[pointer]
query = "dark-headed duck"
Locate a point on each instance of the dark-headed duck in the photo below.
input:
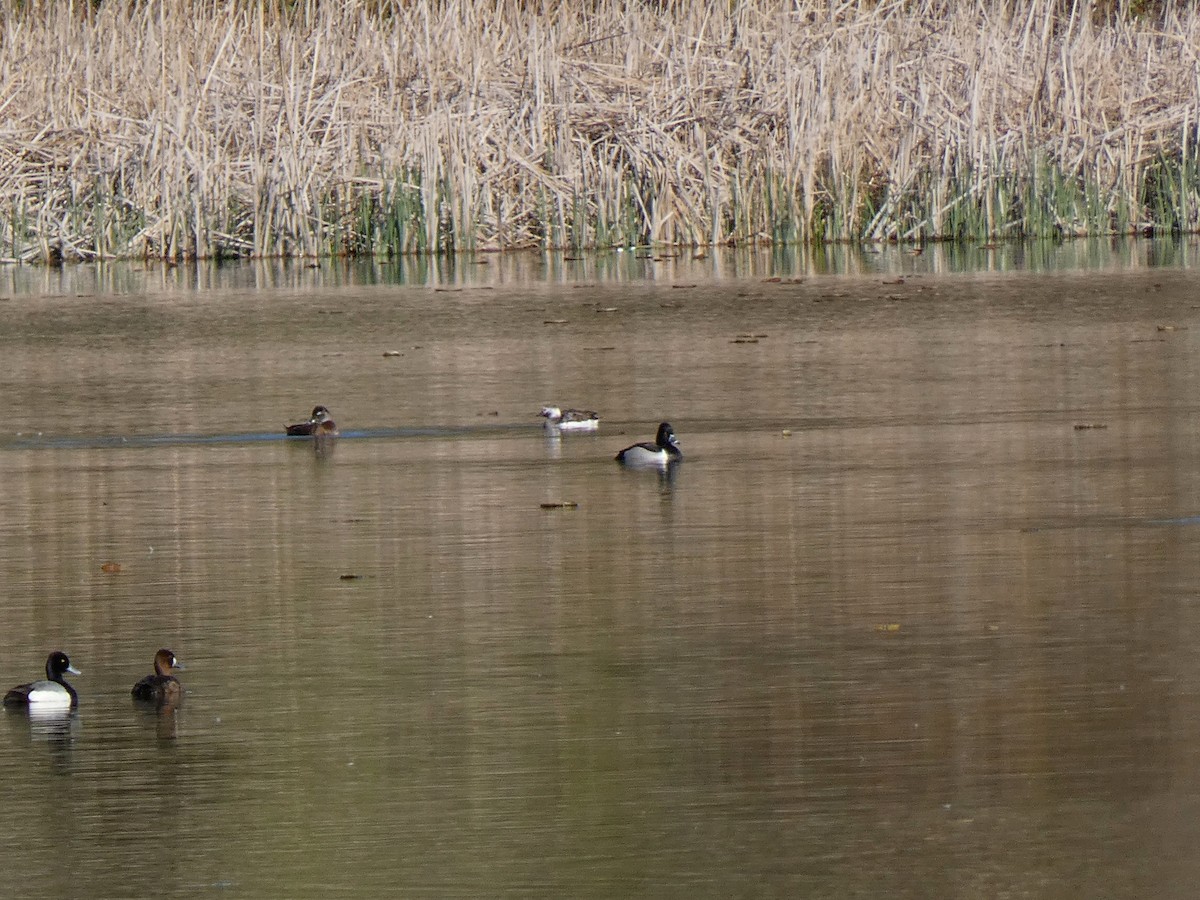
(663, 451)
(53, 693)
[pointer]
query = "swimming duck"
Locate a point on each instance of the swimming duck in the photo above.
(162, 687)
(662, 452)
(320, 415)
(570, 419)
(53, 693)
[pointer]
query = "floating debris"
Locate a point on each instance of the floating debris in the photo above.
(562, 504)
(1087, 426)
(110, 568)
(888, 627)
(349, 576)
(787, 432)
(554, 321)
(392, 353)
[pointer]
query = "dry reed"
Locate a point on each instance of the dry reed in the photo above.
(187, 128)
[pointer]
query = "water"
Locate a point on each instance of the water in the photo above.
(916, 616)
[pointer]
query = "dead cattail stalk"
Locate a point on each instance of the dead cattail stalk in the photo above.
(208, 127)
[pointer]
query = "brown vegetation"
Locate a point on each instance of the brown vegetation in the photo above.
(181, 128)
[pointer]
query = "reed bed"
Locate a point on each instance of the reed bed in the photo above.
(196, 128)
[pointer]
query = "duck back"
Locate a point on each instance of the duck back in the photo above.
(42, 694)
(158, 689)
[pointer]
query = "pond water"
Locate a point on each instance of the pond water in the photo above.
(916, 616)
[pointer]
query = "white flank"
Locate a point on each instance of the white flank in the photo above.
(49, 696)
(581, 425)
(640, 456)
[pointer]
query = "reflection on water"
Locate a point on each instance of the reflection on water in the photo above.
(161, 718)
(916, 617)
(55, 727)
(54, 731)
(449, 275)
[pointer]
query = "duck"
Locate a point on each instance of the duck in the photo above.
(162, 687)
(664, 451)
(53, 693)
(570, 419)
(320, 416)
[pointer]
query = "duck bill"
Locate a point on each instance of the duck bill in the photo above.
(73, 670)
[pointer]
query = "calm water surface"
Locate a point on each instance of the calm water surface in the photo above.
(917, 616)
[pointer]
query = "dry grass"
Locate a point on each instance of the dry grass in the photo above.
(180, 129)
